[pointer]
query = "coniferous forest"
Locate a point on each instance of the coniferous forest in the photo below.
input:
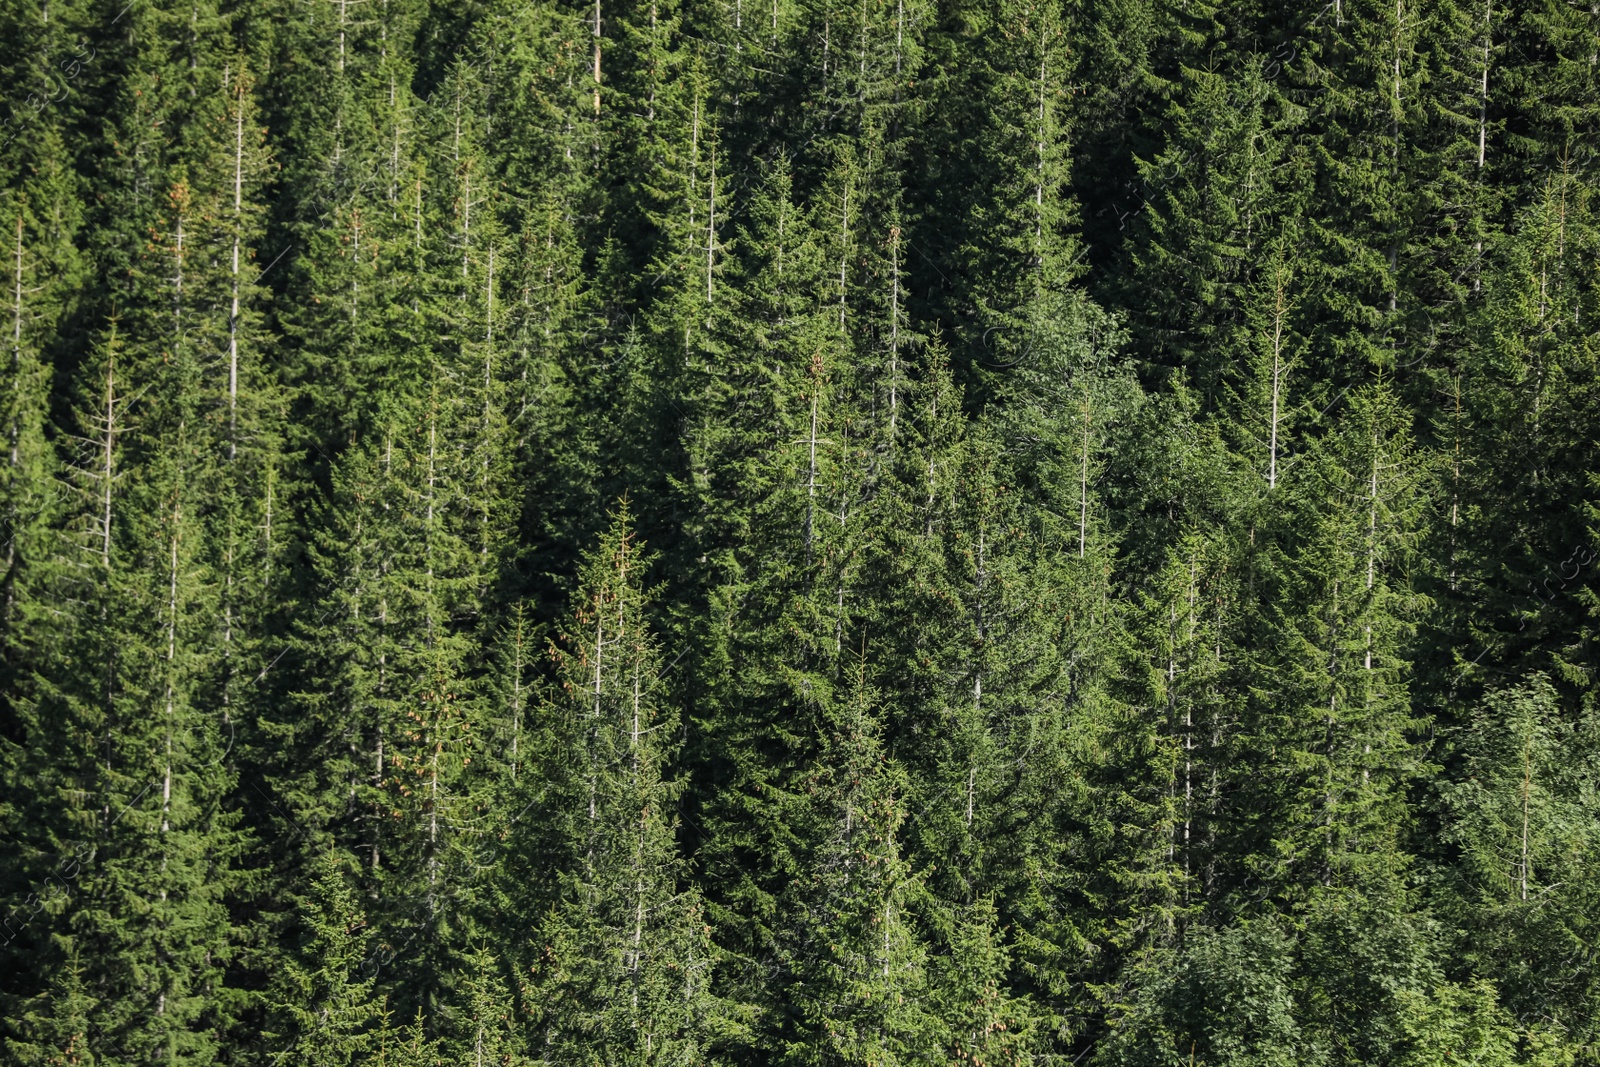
(851, 532)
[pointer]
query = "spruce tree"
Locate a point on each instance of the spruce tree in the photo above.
(325, 1006)
(854, 954)
(1520, 812)
(623, 958)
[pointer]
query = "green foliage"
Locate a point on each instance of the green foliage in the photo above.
(329, 1015)
(1122, 492)
(1522, 815)
(622, 961)
(1226, 998)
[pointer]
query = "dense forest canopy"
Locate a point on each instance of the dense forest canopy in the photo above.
(800, 532)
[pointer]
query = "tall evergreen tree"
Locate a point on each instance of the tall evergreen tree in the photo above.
(326, 1005)
(854, 951)
(623, 958)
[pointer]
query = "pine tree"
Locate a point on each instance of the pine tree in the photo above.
(472, 320)
(45, 214)
(58, 1033)
(1333, 711)
(386, 736)
(853, 955)
(1188, 685)
(623, 957)
(1366, 74)
(986, 1021)
(1521, 814)
(323, 996)
(1522, 389)
(490, 1035)
(994, 173)
(1227, 182)
(774, 524)
(134, 738)
(45, 217)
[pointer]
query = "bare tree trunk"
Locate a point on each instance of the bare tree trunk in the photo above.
(711, 230)
(343, 4)
(1188, 728)
(597, 57)
(982, 621)
(516, 695)
(238, 236)
(1483, 129)
(1394, 153)
(1038, 177)
(171, 657)
(14, 429)
(594, 730)
(428, 511)
(844, 254)
(108, 457)
(894, 324)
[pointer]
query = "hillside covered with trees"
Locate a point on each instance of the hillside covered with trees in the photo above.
(849, 532)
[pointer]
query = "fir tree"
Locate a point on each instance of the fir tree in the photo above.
(623, 957)
(854, 953)
(325, 1002)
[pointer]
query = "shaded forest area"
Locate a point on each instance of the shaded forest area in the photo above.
(842, 532)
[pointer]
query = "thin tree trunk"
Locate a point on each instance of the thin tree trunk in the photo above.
(108, 457)
(711, 230)
(844, 253)
(597, 57)
(894, 328)
(1278, 310)
(171, 680)
(238, 235)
